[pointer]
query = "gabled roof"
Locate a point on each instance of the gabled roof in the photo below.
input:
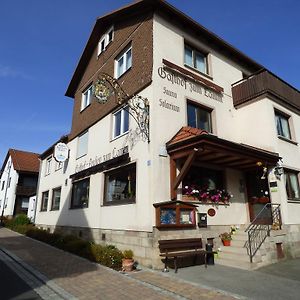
(23, 161)
(186, 133)
(141, 7)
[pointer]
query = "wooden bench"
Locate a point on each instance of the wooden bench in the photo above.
(172, 249)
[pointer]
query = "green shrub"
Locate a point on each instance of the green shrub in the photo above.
(108, 256)
(128, 254)
(79, 247)
(21, 219)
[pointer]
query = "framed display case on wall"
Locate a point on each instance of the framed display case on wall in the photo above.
(175, 214)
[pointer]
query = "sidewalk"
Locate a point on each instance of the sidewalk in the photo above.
(86, 280)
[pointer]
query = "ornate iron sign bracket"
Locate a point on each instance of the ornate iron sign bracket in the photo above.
(137, 106)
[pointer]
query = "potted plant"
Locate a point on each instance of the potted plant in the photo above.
(226, 238)
(127, 261)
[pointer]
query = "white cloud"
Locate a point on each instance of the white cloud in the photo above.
(7, 71)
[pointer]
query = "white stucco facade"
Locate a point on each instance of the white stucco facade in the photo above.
(252, 124)
(9, 179)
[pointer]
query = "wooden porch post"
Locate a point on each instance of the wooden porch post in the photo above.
(176, 180)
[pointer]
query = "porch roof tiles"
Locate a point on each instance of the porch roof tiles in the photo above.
(211, 149)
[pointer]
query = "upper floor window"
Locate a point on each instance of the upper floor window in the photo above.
(105, 40)
(282, 125)
(82, 145)
(120, 122)
(48, 166)
(44, 204)
(56, 198)
(123, 62)
(86, 97)
(199, 117)
(292, 184)
(80, 193)
(2, 187)
(195, 59)
(58, 165)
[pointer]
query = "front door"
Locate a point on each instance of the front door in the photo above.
(258, 196)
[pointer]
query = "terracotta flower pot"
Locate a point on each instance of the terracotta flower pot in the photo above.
(226, 242)
(127, 264)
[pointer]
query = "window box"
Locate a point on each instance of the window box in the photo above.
(175, 214)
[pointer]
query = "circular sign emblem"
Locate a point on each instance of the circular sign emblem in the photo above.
(101, 92)
(61, 152)
(211, 212)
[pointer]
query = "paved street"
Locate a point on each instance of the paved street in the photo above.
(13, 287)
(64, 276)
(275, 282)
(73, 277)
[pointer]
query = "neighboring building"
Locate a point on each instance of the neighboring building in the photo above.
(19, 176)
(218, 121)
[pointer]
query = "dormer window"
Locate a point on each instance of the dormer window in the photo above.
(105, 40)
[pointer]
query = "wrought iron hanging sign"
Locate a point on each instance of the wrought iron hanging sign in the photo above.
(137, 106)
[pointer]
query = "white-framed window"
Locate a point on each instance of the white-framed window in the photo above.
(86, 97)
(44, 203)
(292, 184)
(123, 62)
(120, 122)
(82, 145)
(199, 117)
(195, 59)
(56, 194)
(105, 40)
(58, 165)
(282, 125)
(48, 166)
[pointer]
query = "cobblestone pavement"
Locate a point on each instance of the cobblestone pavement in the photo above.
(82, 279)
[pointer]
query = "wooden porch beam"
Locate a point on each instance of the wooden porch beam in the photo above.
(186, 167)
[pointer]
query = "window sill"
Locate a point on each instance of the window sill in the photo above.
(287, 140)
(81, 156)
(123, 73)
(54, 209)
(294, 201)
(118, 202)
(78, 207)
(199, 72)
(81, 110)
(119, 136)
(43, 210)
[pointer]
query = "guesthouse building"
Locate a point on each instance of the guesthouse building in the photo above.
(175, 133)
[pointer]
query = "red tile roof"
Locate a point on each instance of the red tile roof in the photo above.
(25, 161)
(185, 133)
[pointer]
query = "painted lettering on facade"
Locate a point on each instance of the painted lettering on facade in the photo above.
(168, 105)
(188, 84)
(100, 159)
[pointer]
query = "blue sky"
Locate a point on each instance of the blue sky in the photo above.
(41, 42)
